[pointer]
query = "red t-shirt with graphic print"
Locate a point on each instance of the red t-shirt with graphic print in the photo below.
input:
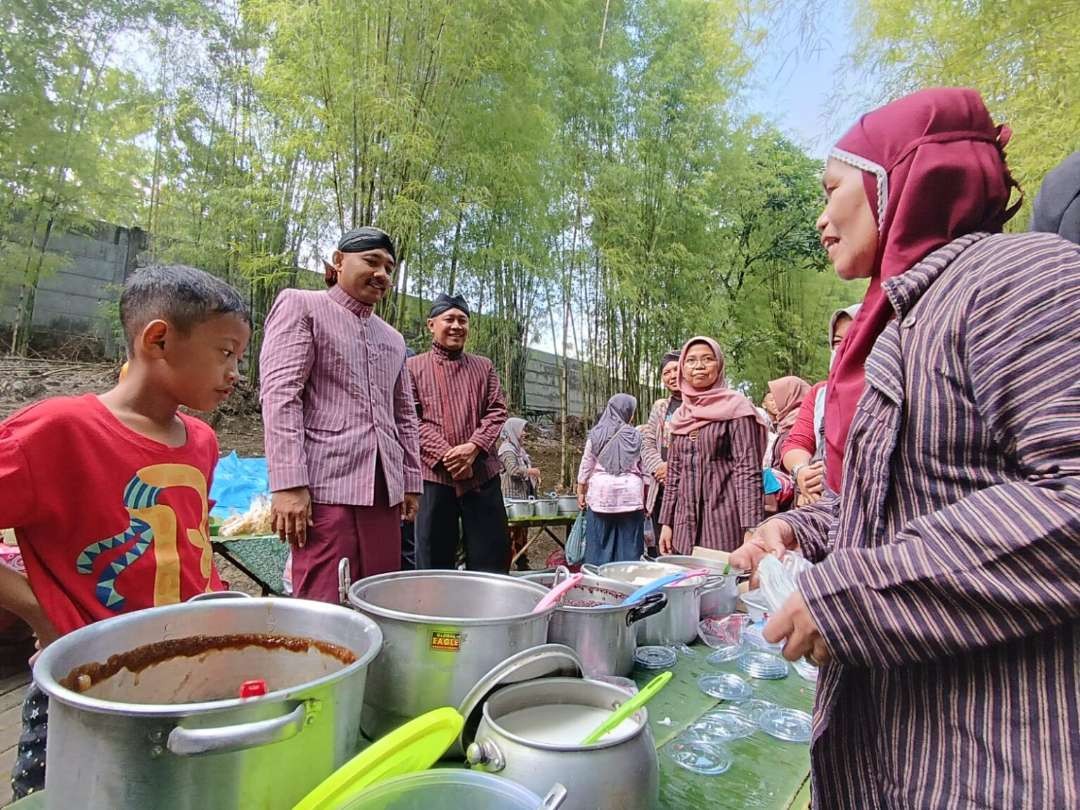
(108, 520)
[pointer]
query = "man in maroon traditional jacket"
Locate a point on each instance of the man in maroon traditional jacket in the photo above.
(461, 408)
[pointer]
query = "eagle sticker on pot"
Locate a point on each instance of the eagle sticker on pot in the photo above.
(446, 640)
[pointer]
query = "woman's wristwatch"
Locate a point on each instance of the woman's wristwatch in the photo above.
(795, 473)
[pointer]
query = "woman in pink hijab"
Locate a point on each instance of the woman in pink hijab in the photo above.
(713, 491)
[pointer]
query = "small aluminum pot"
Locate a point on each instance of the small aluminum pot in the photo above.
(676, 624)
(546, 507)
(721, 593)
(519, 508)
(568, 505)
(604, 636)
(622, 773)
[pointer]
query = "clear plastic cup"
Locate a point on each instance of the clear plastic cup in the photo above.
(791, 725)
(708, 759)
(723, 725)
(654, 657)
(725, 686)
(763, 665)
(725, 635)
(754, 708)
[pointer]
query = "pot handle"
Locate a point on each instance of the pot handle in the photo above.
(589, 568)
(554, 798)
(649, 606)
(190, 742)
(485, 756)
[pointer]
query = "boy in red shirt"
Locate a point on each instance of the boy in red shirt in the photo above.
(108, 493)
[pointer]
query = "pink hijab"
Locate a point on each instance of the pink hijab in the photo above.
(716, 404)
(788, 393)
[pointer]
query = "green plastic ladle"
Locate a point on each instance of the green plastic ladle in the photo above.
(647, 693)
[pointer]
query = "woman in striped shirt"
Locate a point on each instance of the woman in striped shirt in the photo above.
(713, 492)
(945, 603)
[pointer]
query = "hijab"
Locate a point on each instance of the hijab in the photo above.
(934, 170)
(716, 404)
(512, 434)
(615, 441)
(788, 394)
(1057, 205)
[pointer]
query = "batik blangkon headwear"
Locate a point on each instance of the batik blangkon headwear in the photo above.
(359, 240)
(447, 302)
(369, 237)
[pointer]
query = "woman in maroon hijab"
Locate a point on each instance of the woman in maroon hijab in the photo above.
(944, 606)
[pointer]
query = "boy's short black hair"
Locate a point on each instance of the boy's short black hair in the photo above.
(180, 295)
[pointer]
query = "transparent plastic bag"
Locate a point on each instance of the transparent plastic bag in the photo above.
(575, 541)
(778, 578)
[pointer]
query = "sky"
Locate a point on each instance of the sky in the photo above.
(794, 84)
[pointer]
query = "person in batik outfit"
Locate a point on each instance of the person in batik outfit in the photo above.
(462, 411)
(342, 443)
(713, 493)
(945, 604)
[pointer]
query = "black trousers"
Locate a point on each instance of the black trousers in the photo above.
(477, 517)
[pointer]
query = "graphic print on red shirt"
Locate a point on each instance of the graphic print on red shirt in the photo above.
(108, 520)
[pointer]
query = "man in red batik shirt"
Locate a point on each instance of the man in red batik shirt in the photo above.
(462, 411)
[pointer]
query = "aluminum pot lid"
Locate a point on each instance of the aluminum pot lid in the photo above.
(542, 661)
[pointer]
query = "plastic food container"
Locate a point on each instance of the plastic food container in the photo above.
(453, 788)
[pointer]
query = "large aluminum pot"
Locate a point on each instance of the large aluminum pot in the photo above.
(442, 631)
(604, 635)
(617, 773)
(676, 624)
(174, 734)
(721, 593)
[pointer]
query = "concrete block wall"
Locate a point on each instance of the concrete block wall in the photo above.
(71, 301)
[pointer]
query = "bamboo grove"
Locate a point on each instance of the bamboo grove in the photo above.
(582, 170)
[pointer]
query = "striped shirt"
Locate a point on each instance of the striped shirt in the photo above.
(713, 492)
(458, 399)
(950, 596)
(335, 394)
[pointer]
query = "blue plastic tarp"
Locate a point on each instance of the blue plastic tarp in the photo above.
(237, 481)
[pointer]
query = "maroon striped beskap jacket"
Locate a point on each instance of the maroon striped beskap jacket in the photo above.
(949, 594)
(459, 400)
(335, 394)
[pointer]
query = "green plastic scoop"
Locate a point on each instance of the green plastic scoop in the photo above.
(647, 693)
(415, 746)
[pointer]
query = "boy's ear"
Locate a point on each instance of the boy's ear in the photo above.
(152, 340)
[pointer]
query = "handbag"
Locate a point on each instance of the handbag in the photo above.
(575, 541)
